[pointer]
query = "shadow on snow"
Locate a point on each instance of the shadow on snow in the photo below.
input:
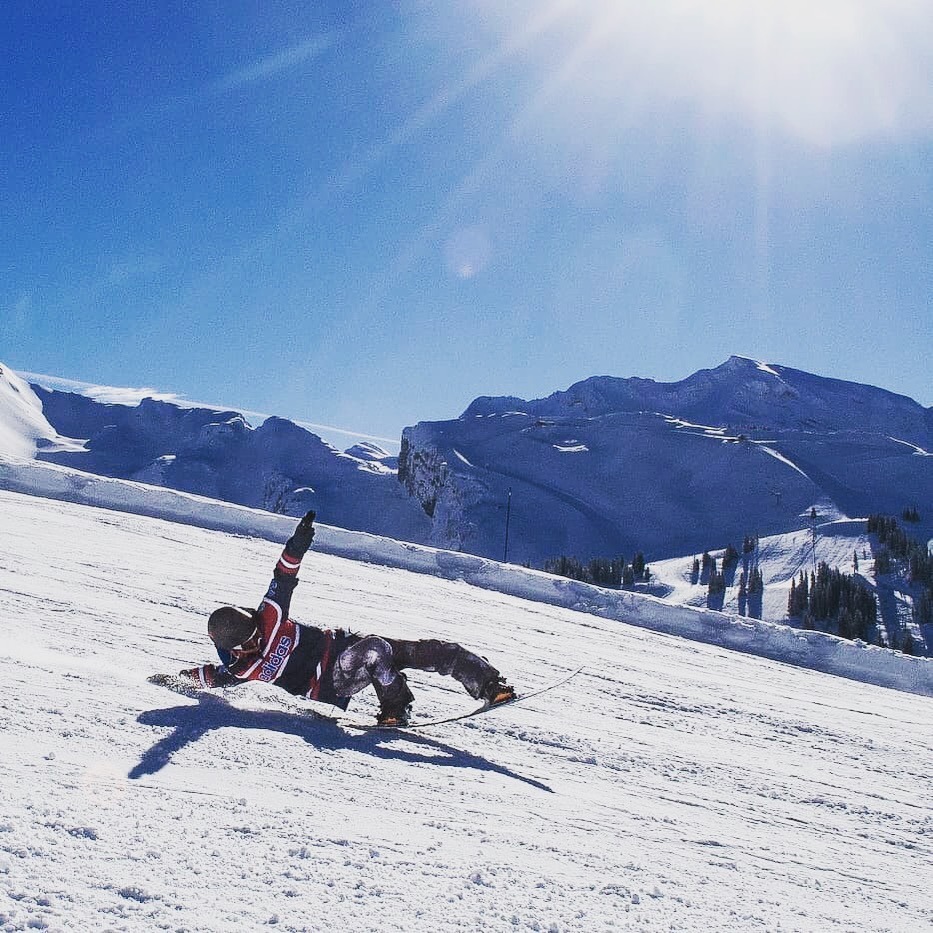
(190, 723)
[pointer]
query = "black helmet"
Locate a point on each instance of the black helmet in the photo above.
(230, 626)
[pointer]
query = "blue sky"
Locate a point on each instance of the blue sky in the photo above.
(366, 214)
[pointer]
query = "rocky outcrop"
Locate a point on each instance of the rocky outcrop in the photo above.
(422, 469)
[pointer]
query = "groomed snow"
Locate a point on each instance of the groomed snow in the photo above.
(672, 785)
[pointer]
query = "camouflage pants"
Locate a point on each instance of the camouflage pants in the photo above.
(379, 661)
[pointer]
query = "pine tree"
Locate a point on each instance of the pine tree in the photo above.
(841, 601)
(638, 564)
(923, 608)
(717, 582)
(883, 561)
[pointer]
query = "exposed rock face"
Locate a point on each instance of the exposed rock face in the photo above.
(421, 469)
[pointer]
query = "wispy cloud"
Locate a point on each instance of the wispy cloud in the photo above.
(21, 310)
(275, 63)
(111, 395)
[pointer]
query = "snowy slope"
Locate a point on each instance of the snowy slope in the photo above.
(781, 558)
(674, 785)
(22, 425)
(778, 642)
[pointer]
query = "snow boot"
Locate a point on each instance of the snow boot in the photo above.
(394, 702)
(498, 691)
(397, 717)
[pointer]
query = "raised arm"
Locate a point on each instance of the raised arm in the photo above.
(285, 577)
(272, 613)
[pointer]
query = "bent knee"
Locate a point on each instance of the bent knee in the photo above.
(373, 646)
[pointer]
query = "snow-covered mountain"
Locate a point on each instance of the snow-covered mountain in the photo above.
(607, 467)
(278, 465)
(671, 785)
(611, 465)
(743, 394)
(23, 426)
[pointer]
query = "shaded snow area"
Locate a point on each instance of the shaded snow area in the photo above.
(672, 785)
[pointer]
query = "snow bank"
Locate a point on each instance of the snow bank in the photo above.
(854, 660)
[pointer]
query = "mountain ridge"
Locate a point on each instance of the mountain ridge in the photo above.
(708, 389)
(603, 468)
(662, 462)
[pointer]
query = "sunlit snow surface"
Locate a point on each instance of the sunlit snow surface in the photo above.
(672, 785)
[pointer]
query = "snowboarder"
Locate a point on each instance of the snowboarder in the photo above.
(331, 666)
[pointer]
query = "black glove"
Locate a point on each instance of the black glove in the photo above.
(301, 540)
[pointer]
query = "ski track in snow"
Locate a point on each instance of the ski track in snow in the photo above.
(919, 451)
(779, 456)
(670, 786)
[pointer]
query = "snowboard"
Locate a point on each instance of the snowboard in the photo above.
(469, 714)
(339, 717)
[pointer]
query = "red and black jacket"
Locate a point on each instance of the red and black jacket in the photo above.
(297, 658)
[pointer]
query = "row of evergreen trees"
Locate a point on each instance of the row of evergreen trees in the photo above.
(717, 575)
(899, 552)
(750, 583)
(830, 600)
(730, 558)
(613, 572)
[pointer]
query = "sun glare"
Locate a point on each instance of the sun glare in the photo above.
(828, 72)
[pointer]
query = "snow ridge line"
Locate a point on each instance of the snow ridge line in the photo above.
(815, 650)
